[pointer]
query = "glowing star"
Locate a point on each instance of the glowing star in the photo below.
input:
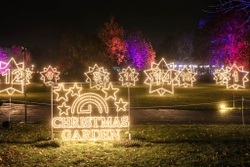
(97, 77)
(128, 77)
(63, 109)
(50, 75)
(88, 116)
(61, 93)
(186, 77)
(221, 76)
(75, 90)
(120, 105)
(110, 92)
(161, 77)
(13, 77)
(237, 77)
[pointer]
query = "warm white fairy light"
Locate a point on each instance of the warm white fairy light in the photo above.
(50, 75)
(221, 76)
(128, 76)
(97, 77)
(161, 77)
(85, 116)
(186, 77)
(237, 77)
(12, 77)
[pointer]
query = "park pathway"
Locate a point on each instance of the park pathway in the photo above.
(42, 113)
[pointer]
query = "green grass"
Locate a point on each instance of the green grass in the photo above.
(151, 145)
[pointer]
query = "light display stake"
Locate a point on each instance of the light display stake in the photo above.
(82, 116)
(186, 77)
(161, 77)
(13, 77)
(97, 77)
(50, 75)
(128, 76)
(237, 77)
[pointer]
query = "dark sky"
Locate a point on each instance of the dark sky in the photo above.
(41, 22)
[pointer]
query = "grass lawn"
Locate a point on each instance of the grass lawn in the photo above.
(151, 145)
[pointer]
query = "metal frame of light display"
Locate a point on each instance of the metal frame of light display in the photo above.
(161, 77)
(97, 77)
(50, 75)
(94, 115)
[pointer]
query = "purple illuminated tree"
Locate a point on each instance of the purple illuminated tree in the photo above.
(229, 40)
(3, 55)
(112, 36)
(140, 52)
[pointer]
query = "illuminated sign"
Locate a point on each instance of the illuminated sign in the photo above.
(128, 76)
(50, 75)
(82, 116)
(161, 77)
(12, 77)
(237, 77)
(97, 77)
(186, 77)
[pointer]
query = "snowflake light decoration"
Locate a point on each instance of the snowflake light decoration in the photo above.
(82, 116)
(161, 77)
(12, 77)
(128, 76)
(97, 77)
(50, 75)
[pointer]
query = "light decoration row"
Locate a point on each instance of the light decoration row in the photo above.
(232, 76)
(13, 77)
(162, 77)
(90, 115)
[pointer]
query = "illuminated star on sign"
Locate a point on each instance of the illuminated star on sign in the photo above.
(75, 90)
(128, 77)
(50, 75)
(97, 77)
(120, 105)
(237, 77)
(161, 77)
(186, 77)
(221, 76)
(12, 79)
(110, 92)
(63, 109)
(61, 93)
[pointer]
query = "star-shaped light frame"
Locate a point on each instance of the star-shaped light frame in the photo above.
(13, 74)
(97, 77)
(186, 77)
(161, 77)
(50, 75)
(128, 76)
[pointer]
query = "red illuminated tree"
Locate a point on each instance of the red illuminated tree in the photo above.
(229, 40)
(112, 35)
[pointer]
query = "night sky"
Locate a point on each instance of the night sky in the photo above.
(40, 23)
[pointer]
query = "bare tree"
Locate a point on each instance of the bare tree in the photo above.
(231, 5)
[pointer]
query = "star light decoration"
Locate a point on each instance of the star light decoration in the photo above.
(50, 75)
(161, 77)
(13, 77)
(128, 76)
(97, 77)
(233, 77)
(89, 115)
(186, 77)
